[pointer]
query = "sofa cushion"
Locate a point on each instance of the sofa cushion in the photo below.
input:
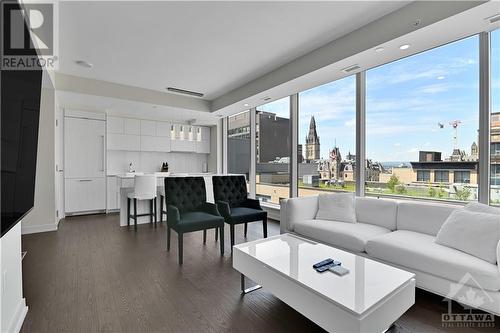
(422, 217)
(472, 232)
(380, 212)
(350, 236)
(418, 251)
(481, 208)
(336, 207)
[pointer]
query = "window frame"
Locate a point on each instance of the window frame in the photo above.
(484, 175)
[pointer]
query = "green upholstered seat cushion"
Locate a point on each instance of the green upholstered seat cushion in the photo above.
(194, 221)
(244, 214)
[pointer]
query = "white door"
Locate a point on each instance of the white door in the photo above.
(84, 148)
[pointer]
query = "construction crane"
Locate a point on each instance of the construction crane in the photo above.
(455, 124)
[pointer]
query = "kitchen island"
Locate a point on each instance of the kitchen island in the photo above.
(125, 183)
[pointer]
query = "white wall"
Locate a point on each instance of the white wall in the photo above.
(43, 216)
(118, 161)
(13, 306)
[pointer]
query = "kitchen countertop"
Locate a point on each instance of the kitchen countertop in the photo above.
(159, 174)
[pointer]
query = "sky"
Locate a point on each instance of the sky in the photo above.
(405, 101)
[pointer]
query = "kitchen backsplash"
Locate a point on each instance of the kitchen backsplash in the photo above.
(118, 161)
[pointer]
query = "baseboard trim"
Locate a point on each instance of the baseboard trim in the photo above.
(18, 319)
(33, 229)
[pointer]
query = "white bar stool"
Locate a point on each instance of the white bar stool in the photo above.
(144, 189)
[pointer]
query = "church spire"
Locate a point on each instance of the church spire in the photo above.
(312, 142)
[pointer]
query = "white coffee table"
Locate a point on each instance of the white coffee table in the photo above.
(370, 298)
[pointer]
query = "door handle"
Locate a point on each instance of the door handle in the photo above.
(84, 180)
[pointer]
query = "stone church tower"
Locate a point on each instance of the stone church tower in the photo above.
(312, 142)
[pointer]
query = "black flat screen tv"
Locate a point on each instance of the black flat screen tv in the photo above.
(20, 110)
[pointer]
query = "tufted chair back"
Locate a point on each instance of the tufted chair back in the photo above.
(185, 193)
(231, 189)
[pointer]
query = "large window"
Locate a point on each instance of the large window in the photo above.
(273, 151)
(495, 118)
(327, 138)
(441, 176)
(423, 176)
(238, 144)
(422, 113)
(422, 131)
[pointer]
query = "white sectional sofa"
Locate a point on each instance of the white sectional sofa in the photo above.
(402, 234)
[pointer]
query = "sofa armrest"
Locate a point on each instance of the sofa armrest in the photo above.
(173, 215)
(210, 208)
(297, 209)
(224, 208)
(252, 203)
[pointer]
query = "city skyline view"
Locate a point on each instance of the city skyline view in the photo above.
(406, 100)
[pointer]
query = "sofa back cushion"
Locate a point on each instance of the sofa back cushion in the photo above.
(423, 217)
(336, 207)
(375, 211)
(473, 233)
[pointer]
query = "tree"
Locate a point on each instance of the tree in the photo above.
(392, 183)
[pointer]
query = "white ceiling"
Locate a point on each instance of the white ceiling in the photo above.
(210, 47)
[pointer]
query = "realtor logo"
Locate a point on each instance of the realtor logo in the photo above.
(29, 35)
(470, 295)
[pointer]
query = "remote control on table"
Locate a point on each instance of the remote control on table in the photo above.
(339, 270)
(323, 263)
(324, 268)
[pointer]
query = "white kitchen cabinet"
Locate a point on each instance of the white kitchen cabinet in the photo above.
(203, 147)
(115, 125)
(124, 142)
(131, 126)
(84, 148)
(204, 133)
(163, 129)
(183, 146)
(112, 198)
(155, 143)
(85, 195)
(148, 127)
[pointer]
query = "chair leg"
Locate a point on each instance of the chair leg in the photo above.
(204, 236)
(246, 229)
(179, 241)
(161, 208)
(150, 211)
(216, 234)
(168, 238)
(128, 212)
(264, 226)
(221, 230)
(154, 211)
(135, 214)
(232, 236)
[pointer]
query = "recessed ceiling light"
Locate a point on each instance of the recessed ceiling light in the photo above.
(84, 63)
(404, 46)
(440, 77)
(379, 49)
(246, 104)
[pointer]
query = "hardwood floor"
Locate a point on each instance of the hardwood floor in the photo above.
(94, 276)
